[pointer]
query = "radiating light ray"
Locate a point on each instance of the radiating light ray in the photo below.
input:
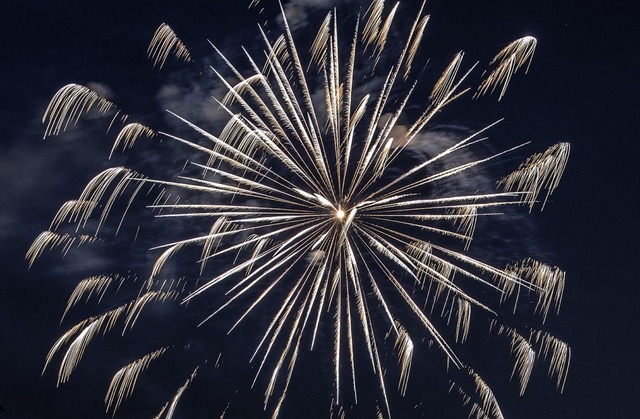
(314, 219)
(169, 408)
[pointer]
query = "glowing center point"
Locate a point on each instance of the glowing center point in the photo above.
(340, 214)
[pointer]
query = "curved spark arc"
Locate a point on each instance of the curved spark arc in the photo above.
(328, 217)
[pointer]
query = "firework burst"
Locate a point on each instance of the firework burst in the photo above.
(315, 218)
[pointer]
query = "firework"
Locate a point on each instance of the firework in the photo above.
(319, 221)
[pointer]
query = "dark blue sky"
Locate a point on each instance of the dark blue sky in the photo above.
(580, 89)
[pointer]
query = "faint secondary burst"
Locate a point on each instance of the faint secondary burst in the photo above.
(311, 228)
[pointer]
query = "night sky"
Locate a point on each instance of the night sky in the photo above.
(582, 88)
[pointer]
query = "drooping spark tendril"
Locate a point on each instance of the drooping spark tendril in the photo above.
(301, 198)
